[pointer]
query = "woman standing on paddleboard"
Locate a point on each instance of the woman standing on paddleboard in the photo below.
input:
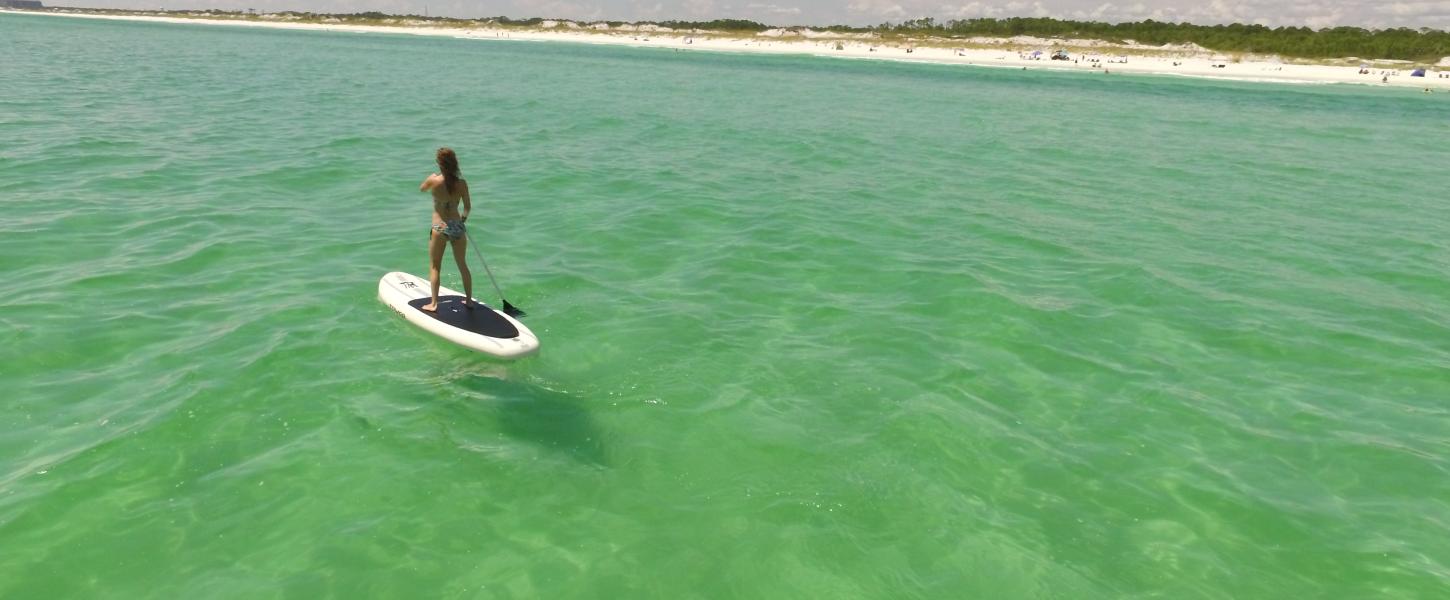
(448, 189)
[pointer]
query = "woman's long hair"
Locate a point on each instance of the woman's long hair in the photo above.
(448, 164)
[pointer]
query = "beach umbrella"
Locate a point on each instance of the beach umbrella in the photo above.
(1037, 53)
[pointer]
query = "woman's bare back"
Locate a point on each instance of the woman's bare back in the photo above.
(445, 203)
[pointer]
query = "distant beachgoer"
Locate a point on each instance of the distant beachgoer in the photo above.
(1385, 79)
(448, 190)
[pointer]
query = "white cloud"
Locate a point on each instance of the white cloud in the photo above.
(562, 9)
(647, 11)
(1420, 9)
(701, 9)
(970, 10)
(1329, 19)
(773, 9)
(885, 9)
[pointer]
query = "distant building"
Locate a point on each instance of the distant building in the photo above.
(21, 4)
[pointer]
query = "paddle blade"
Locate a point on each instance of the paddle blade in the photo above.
(513, 311)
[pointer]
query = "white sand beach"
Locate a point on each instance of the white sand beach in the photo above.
(1015, 53)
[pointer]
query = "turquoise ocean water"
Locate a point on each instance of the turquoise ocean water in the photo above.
(812, 328)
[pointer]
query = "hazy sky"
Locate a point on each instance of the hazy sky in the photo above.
(1314, 13)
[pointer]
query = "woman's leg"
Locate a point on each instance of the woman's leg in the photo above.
(435, 260)
(460, 245)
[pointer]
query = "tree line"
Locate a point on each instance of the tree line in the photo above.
(1299, 42)
(1334, 42)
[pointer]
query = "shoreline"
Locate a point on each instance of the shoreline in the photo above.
(1105, 60)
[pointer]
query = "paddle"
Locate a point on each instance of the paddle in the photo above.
(508, 309)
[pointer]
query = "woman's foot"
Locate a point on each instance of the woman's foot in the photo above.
(429, 307)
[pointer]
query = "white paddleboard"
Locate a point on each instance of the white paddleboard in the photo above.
(480, 328)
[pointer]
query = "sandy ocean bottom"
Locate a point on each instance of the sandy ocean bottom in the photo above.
(811, 327)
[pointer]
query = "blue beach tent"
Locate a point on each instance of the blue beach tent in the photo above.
(1417, 73)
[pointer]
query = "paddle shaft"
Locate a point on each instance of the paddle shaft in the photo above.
(485, 267)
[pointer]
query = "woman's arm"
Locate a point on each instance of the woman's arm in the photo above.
(428, 183)
(467, 201)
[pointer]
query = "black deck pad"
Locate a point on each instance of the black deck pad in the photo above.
(479, 319)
